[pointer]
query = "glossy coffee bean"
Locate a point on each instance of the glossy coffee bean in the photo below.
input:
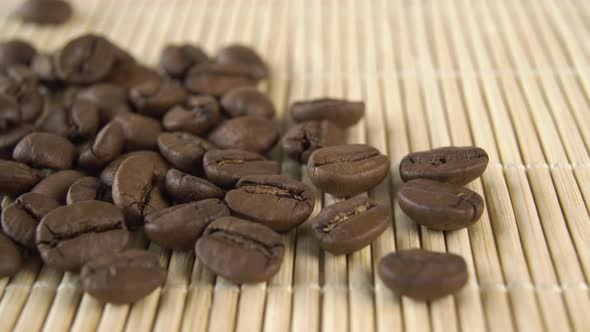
(45, 150)
(78, 121)
(302, 139)
(56, 185)
(16, 177)
(45, 11)
(70, 236)
(110, 100)
(11, 136)
(155, 99)
(184, 151)
(342, 112)
(16, 51)
(247, 101)
(226, 167)
(217, 79)
(276, 201)
(85, 59)
(10, 257)
(178, 227)
(107, 176)
(141, 132)
(422, 274)
(128, 74)
(199, 116)
(250, 133)
(176, 60)
(183, 188)
(89, 189)
(347, 170)
(456, 165)
(350, 225)
(245, 56)
(240, 250)
(104, 148)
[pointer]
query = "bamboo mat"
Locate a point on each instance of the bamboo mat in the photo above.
(512, 77)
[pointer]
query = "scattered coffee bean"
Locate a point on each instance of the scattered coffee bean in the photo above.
(156, 98)
(44, 150)
(77, 121)
(342, 112)
(45, 11)
(16, 178)
(199, 116)
(161, 167)
(176, 60)
(245, 56)
(11, 136)
(303, 139)
(141, 132)
(105, 147)
(128, 74)
(56, 185)
(238, 133)
(247, 100)
(184, 151)
(84, 60)
(89, 189)
(110, 99)
(10, 257)
(240, 250)
(184, 188)
(16, 51)
(217, 79)
(226, 167)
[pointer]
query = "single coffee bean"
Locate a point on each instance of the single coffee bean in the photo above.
(440, 206)
(127, 74)
(240, 250)
(21, 218)
(198, 117)
(141, 132)
(243, 56)
(347, 170)
(184, 188)
(85, 59)
(16, 51)
(342, 112)
(250, 133)
(422, 274)
(110, 100)
(276, 201)
(137, 189)
(348, 226)
(10, 257)
(56, 185)
(89, 189)
(43, 65)
(9, 112)
(45, 11)
(226, 167)
(302, 139)
(70, 236)
(247, 100)
(156, 98)
(105, 147)
(176, 60)
(178, 227)
(456, 165)
(107, 176)
(45, 150)
(20, 83)
(217, 79)
(16, 178)
(77, 121)
(11, 136)
(184, 151)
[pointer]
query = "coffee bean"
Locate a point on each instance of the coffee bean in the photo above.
(226, 167)
(85, 59)
(247, 100)
(110, 100)
(107, 176)
(10, 257)
(44, 150)
(456, 165)
(347, 170)
(183, 188)
(9, 112)
(155, 99)
(11, 136)
(70, 236)
(178, 227)
(128, 74)
(16, 51)
(240, 250)
(276, 201)
(105, 147)
(137, 189)
(199, 116)
(217, 79)
(45, 11)
(89, 189)
(303, 139)
(56, 185)
(243, 56)
(250, 133)
(77, 121)
(20, 83)
(422, 274)
(184, 151)
(176, 60)
(16, 178)
(141, 132)
(21, 218)
(350, 225)
(342, 112)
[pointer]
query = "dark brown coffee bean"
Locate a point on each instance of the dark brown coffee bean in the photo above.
(422, 274)
(303, 139)
(347, 170)
(276, 201)
(198, 117)
(250, 133)
(85, 59)
(45, 11)
(141, 132)
(16, 51)
(348, 226)
(21, 218)
(10, 257)
(217, 79)
(243, 56)
(10, 137)
(56, 185)
(247, 100)
(156, 98)
(78, 121)
(456, 165)
(178, 227)
(342, 112)
(127, 74)
(110, 99)
(176, 60)
(20, 83)
(105, 147)
(44, 150)
(89, 189)
(9, 112)
(70, 236)
(184, 151)
(226, 167)
(240, 250)
(107, 176)
(184, 188)
(16, 178)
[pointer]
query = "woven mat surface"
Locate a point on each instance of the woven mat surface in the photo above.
(512, 77)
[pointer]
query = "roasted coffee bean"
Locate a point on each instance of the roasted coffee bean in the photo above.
(16, 178)
(44, 150)
(184, 188)
(184, 151)
(9, 112)
(348, 226)
(303, 139)
(176, 60)
(456, 165)
(45, 11)
(10, 257)
(141, 132)
(11, 136)
(127, 74)
(243, 56)
(105, 147)
(56, 185)
(137, 189)
(21, 218)
(70, 236)
(226, 167)
(178, 227)
(110, 99)
(20, 83)
(156, 98)
(77, 121)
(217, 79)
(240, 250)
(342, 112)
(347, 170)
(107, 176)
(440, 206)
(276, 201)
(16, 51)
(422, 274)
(198, 117)
(250, 133)
(89, 189)
(247, 100)
(43, 65)
(85, 59)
